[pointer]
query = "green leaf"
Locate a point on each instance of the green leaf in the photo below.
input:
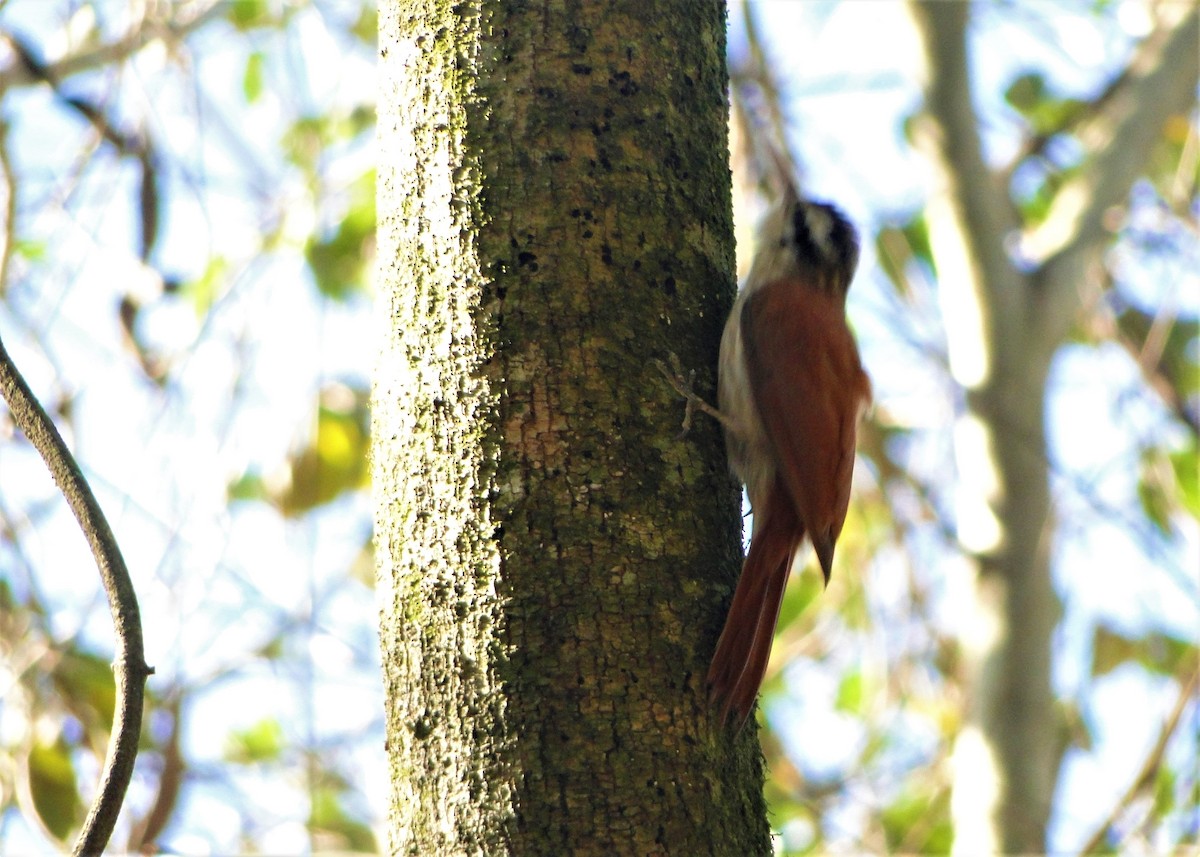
(339, 262)
(1158, 653)
(8, 601)
(1153, 490)
(366, 28)
(248, 14)
(898, 247)
(52, 787)
(330, 817)
(1045, 112)
(1164, 791)
(86, 683)
(1110, 650)
(336, 461)
(1177, 357)
(918, 823)
(252, 78)
(248, 486)
(1026, 92)
(851, 692)
(802, 590)
(203, 292)
(262, 742)
(1187, 478)
(304, 141)
(32, 251)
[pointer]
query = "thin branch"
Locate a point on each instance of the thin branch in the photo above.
(129, 666)
(112, 53)
(1149, 767)
(8, 207)
(144, 837)
(127, 144)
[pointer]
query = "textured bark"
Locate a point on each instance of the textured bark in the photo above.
(554, 214)
(1003, 328)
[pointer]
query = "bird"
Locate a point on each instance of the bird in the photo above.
(791, 390)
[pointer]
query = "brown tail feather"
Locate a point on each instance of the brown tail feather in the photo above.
(740, 660)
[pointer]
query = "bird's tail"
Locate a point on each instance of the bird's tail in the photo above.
(740, 661)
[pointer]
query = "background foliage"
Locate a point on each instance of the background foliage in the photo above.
(184, 278)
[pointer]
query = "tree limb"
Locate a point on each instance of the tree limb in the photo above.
(983, 214)
(129, 666)
(1149, 767)
(1118, 141)
(111, 53)
(127, 143)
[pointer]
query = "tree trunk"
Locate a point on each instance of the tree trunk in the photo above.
(1003, 327)
(554, 214)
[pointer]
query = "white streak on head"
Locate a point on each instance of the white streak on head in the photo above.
(820, 224)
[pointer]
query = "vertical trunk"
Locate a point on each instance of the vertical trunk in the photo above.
(1004, 758)
(554, 214)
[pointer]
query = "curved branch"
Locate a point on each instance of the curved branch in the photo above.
(129, 666)
(1118, 142)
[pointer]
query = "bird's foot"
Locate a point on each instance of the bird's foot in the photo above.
(682, 384)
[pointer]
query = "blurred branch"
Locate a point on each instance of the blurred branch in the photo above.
(129, 666)
(1117, 142)
(144, 837)
(766, 116)
(127, 144)
(1150, 354)
(8, 206)
(1150, 766)
(110, 54)
(983, 215)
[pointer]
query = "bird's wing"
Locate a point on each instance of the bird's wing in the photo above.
(809, 388)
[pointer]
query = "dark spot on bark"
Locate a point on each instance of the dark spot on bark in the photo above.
(526, 259)
(580, 68)
(624, 83)
(606, 254)
(579, 38)
(669, 285)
